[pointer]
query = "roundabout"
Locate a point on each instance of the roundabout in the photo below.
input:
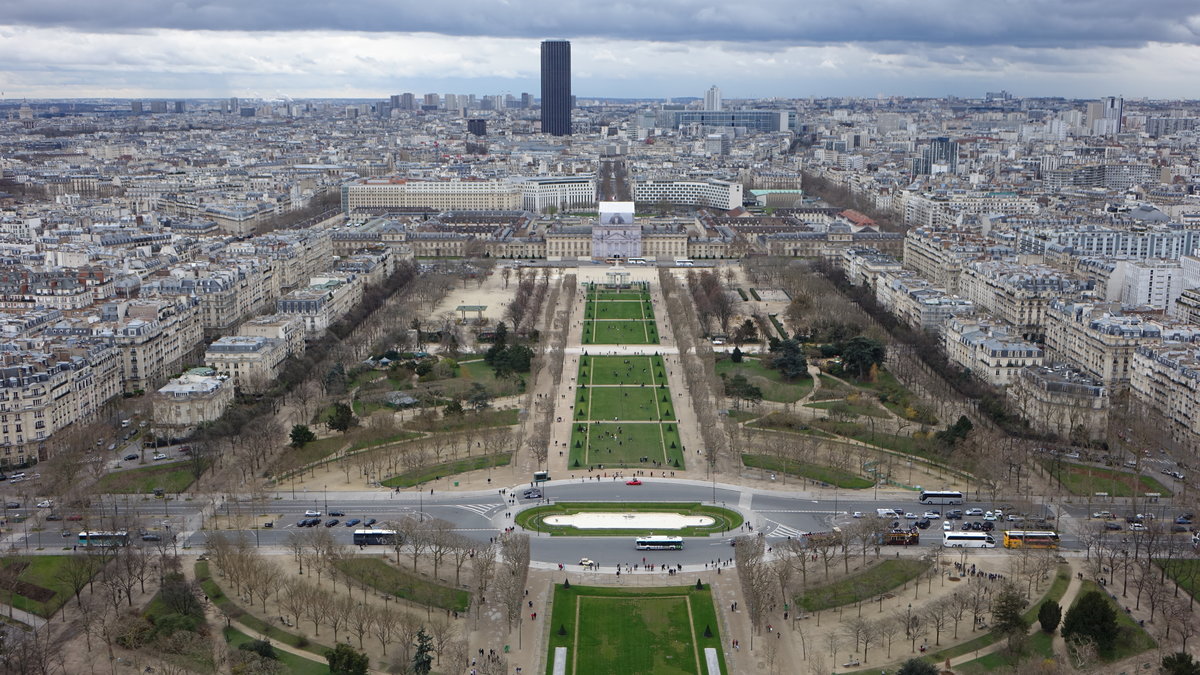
(605, 518)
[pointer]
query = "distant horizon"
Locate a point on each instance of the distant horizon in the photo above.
(6, 100)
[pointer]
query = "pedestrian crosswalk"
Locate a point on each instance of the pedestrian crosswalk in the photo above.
(481, 509)
(783, 531)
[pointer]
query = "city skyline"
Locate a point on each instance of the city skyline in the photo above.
(314, 49)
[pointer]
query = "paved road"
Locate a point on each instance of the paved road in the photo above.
(777, 514)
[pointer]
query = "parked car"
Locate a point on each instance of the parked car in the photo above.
(533, 494)
(53, 516)
(310, 513)
(12, 505)
(910, 516)
(1111, 525)
(923, 523)
(159, 455)
(1137, 527)
(131, 457)
(352, 522)
(988, 515)
(955, 514)
(856, 514)
(336, 514)
(633, 481)
(945, 526)
(45, 504)
(933, 515)
(370, 522)
(987, 526)
(1103, 514)
(74, 516)
(973, 512)
(151, 536)
(331, 522)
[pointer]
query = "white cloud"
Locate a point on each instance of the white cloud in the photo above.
(57, 63)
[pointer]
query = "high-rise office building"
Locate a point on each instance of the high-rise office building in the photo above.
(712, 98)
(180, 106)
(477, 127)
(940, 156)
(1113, 109)
(135, 107)
(556, 87)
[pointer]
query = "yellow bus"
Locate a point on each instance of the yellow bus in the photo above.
(1030, 539)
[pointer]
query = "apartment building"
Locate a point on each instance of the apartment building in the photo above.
(864, 265)
(251, 363)
(326, 300)
(719, 194)
(286, 327)
(917, 302)
(1016, 294)
(443, 195)
(1061, 400)
(185, 402)
(988, 349)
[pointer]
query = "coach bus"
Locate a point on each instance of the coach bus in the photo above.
(968, 540)
(107, 539)
(374, 537)
(684, 262)
(659, 542)
(1030, 539)
(940, 497)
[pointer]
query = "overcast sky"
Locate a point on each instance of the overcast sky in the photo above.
(642, 48)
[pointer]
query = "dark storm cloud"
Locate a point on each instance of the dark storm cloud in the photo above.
(1023, 23)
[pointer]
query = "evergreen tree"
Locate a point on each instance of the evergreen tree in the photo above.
(341, 419)
(302, 435)
(917, 667)
(1092, 617)
(422, 660)
(1180, 663)
(789, 360)
(860, 353)
(344, 660)
(736, 355)
(1006, 614)
(1049, 614)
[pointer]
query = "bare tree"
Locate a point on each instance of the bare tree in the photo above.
(385, 625)
(360, 619)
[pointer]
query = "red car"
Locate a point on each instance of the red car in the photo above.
(74, 516)
(633, 482)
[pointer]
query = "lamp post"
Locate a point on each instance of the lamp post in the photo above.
(325, 491)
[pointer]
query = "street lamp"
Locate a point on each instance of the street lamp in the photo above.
(325, 490)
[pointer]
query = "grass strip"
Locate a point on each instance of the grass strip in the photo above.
(437, 471)
(816, 472)
(403, 583)
(864, 585)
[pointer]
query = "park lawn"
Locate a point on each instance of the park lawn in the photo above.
(1183, 571)
(905, 444)
(44, 571)
(816, 472)
(618, 310)
(312, 452)
(643, 631)
(1056, 591)
(831, 388)
(620, 333)
(743, 415)
(1083, 480)
(1038, 644)
(771, 382)
(724, 520)
(627, 370)
(615, 444)
(472, 420)
(428, 473)
(625, 403)
(383, 440)
(864, 585)
(249, 620)
(296, 665)
(1131, 640)
(479, 371)
(861, 407)
(175, 477)
(403, 583)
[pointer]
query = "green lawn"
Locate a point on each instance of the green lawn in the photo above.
(645, 631)
(403, 583)
(620, 333)
(1083, 480)
(232, 610)
(631, 370)
(617, 444)
(817, 472)
(1183, 571)
(42, 571)
(173, 478)
(425, 474)
(296, 665)
(472, 420)
(772, 384)
(624, 403)
(1038, 644)
(724, 519)
(618, 310)
(863, 585)
(383, 440)
(311, 452)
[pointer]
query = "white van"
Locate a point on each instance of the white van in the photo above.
(887, 513)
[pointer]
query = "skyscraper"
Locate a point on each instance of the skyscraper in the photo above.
(556, 87)
(712, 98)
(1113, 110)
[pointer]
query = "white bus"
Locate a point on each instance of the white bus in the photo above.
(105, 539)
(940, 497)
(684, 262)
(968, 540)
(659, 542)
